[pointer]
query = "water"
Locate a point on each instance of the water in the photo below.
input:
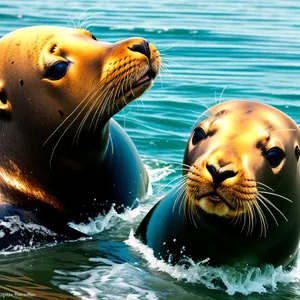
(252, 50)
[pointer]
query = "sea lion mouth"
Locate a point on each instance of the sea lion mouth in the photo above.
(137, 89)
(216, 198)
(148, 77)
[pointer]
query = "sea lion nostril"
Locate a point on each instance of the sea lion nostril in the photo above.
(228, 174)
(212, 170)
(219, 177)
(141, 48)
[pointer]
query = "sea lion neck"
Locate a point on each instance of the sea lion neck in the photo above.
(86, 152)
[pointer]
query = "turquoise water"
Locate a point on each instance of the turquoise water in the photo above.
(212, 51)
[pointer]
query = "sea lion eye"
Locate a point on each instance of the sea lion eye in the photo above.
(275, 156)
(57, 71)
(199, 135)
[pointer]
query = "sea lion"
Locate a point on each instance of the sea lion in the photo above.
(239, 199)
(62, 157)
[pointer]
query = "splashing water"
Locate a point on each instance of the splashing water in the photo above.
(112, 218)
(239, 279)
(105, 222)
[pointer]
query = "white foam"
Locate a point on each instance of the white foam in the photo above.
(232, 280)
(14, 224)
(105, 222)
(107, 280)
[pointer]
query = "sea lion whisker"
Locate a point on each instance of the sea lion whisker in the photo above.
(64, 121)
(75, 109)
(204, 105)
(101, 104)
(169, 62)
(79, 129)
(191, 207)
(168, 48)
(184, 199)
(262, 219)
(277, 195)
(253, 217)
(262, 202)
(87, 19)
(203, 114)
(272, 204)
(128, 82)
(181, 169)
(119, 85)
(250, 218)
(69, 16)
(236, 217)
(113, 94)
(221, 95)
(245, 215)
(100, 110)
(195, 212)
(259, 216)
(169, 183)
(178, 163)
(265, 185)
(64, 132)
(181, 188)
(185, 205)
(160, 80)
(94, 103)
(263, 198)
(110, 97)
(285, 129)
(79, 23)
(165, 69)
(104, 103)
(59, 139)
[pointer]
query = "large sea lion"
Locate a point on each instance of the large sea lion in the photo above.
(239, 200)
(62, 157)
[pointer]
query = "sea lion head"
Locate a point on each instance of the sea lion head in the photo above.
(244, 165)
(48, 73)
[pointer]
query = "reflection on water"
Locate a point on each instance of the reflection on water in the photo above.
(22, 287)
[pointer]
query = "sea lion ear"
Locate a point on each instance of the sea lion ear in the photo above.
(5, 106)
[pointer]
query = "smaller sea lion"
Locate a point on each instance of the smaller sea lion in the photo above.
(240, 198)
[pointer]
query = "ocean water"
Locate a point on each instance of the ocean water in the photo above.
(212, 51)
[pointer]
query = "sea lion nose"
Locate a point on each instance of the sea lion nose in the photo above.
(142, 48)
(219, 177)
